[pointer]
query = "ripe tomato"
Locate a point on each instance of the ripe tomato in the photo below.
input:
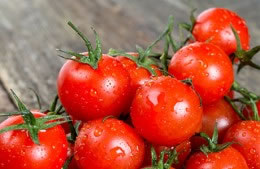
(183, 149)
(220, 112)
(138, 75)
(108, 144)
(166, 111)
(209, 68)
(214, 24)
(227, 158)
(17, 150)
(88, 93)
(247, 135)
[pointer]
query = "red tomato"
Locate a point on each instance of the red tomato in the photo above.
(109, 144)
(220, 112)
(228, 158)
(247, 136)
(248, 113)
(183, 149)
(17, 150)
(88, 93)
(209, 68)
(214, 24)
(138, 75)
(166, 111)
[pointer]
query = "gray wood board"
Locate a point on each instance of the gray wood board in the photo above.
(31, 30)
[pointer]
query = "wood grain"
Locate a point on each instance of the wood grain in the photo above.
(31, 30)
(5, 102)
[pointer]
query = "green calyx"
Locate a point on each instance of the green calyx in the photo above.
(213, 145)
(245, 57)
(248, 99)
(32, 124)
(57, 109)
(243, 91)
(188, 27)
(160, 164)
(170, 42)
(94, 55)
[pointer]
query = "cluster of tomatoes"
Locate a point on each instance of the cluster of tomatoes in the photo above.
(146, 109)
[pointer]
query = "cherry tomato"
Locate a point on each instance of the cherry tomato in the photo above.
(247, 136)
(88, 93)
(108, 144)
(209, 68)
(138, 75)
(166, 111)
(17, 149)
(228, 158)
(214, 25)
(220, 112)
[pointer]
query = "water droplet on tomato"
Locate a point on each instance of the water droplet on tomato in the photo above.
(118, 151)
(98, 131)
(252, 150)
(93, 92)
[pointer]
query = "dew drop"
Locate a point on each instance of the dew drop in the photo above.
(98, 131)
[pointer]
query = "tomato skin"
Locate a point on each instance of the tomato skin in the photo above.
(17, 150)
(138, 75)
(88, 94)
(166, 111)
(214, 24)
(108, 145)
(209, 68)
(247, 135)
(227, 158)
(220, 112)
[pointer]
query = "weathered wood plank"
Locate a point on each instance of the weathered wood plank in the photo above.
(31, 31)
(5, 102)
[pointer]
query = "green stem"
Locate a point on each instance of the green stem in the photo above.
(234, 106)
(255, 110)
(243, 91)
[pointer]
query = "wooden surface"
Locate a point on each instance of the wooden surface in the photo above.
(31, 30)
